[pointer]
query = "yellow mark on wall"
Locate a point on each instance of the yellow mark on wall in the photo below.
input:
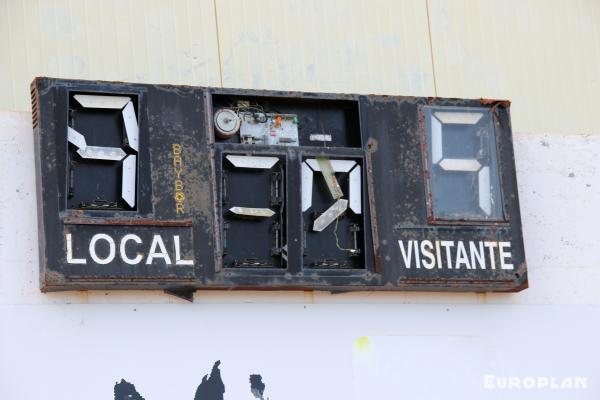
(179, 194)
(363, 344)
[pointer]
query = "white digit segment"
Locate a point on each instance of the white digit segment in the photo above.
(131, 126)
(485, 198)
(355, 195)
(129, 167)
(467, 126)
(93, 152)
(97, 101)
(253, 162)
(102, 153)
(460, 164)
(330, 215)
(128, 182)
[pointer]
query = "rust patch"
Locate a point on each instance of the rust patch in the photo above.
(372, 145)
(495, 102)
(425, 152)
(125, 221)
(371, 196)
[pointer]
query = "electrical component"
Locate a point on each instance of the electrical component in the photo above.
(227, 123)
(255, 125)
(269, 129)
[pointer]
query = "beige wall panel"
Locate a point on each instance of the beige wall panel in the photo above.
(544, 55)
(327, 46)
(127, 40)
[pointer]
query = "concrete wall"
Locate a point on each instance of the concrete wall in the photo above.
(543, 55)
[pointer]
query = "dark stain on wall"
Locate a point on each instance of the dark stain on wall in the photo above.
(126, 391)
(211, 388)
(257, 386)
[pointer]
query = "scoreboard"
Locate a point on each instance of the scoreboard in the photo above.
(182, 188)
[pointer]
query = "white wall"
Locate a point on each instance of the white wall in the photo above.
(543, 55)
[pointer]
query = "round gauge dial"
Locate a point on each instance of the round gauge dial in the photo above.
(227, 123)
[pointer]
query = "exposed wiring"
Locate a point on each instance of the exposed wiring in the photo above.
(337, 240)
(257, 111)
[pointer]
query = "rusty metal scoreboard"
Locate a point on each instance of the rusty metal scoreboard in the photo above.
(183, 188)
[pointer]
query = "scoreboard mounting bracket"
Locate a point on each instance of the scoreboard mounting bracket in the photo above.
(182, 188)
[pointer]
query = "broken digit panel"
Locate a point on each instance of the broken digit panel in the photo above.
(291, 184)
(332, 213)
(253, 211)
(179, 188)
